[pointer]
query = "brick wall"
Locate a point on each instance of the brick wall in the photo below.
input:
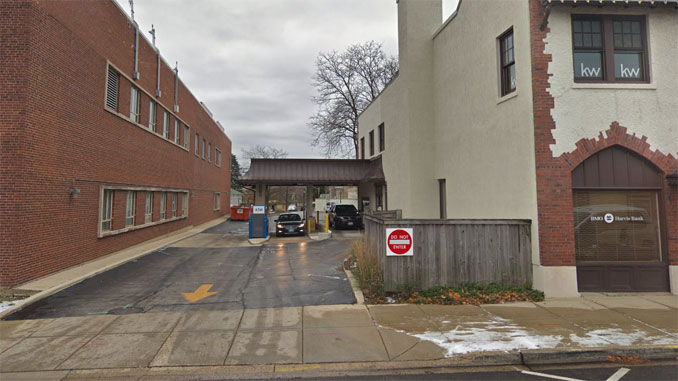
(554, 178)
(61, 136)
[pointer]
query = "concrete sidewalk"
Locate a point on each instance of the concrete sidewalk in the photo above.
(275, 342)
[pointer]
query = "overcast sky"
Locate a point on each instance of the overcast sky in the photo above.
(252, 61)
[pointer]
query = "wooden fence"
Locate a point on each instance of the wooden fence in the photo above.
(453, 252)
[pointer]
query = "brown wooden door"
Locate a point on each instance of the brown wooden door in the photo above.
(618, 223)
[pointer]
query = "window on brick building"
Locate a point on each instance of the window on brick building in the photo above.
(382, 138)
(203, 148)
(362, 147)
(609, 48)
(209, 152)
(187, 136)
(177, 128)
(372, 143)
(184, 204)
(217, 201)
(107, 210)
(152, 106)
(130, 208)
(112, 85)
(174, 204)
(148, 212)
(163, 205)
(197, 145)
(134, 104)
(165, 124)
(508, 63)
(217, 157)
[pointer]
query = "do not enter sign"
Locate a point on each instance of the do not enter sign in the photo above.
(399, 242)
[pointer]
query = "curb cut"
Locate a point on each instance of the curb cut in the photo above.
(51, 291)
(355, 285)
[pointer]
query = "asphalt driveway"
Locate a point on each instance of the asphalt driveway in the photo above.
(219, 269)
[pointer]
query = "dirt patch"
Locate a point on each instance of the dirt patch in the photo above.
(10, 294)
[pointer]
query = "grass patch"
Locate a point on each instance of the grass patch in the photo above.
(366, 269)
(470, 293)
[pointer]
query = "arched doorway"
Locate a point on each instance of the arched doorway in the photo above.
(619, 223)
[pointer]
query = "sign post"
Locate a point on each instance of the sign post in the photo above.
(399, 242)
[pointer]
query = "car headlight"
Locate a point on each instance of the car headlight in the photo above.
(280, 226)
(301, 225)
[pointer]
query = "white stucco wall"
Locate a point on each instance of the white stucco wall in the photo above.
(584, 110)
(485, 143)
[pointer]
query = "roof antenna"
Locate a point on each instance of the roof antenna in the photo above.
(152, 31)
(131, 5)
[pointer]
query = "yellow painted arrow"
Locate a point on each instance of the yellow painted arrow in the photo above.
(201, 293)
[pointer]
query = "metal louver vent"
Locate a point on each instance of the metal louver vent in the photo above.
(112, 89)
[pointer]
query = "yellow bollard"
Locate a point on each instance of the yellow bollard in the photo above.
(327, 222)
(309, 225)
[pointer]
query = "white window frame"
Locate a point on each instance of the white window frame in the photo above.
(177, 124)
(148, 212)
(217, 201)
(134, 99)
(152, 117)
(184, 204)
(163, 205)
(130, 207)
(106, 219)
(174, 204)
(187, 136)
(165, 124)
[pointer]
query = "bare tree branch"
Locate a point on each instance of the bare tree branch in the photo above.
(347, 83)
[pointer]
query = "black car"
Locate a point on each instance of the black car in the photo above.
(345, 216)
(289, 223)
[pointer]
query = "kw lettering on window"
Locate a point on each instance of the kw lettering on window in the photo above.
(627, 72)
(590, 71)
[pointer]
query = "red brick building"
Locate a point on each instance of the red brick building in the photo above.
(102, 146)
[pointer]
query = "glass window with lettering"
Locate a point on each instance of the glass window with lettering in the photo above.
(616, 226)
(587, 38)
(609, 48)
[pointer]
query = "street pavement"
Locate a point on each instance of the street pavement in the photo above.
(284, 272)
(138, 322)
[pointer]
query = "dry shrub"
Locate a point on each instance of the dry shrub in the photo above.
(367, 270)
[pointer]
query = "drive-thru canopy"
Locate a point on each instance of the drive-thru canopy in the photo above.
(310, 172)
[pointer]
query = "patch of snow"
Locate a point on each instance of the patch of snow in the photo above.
(4, 305)
(616, 336)
(493, 335)
(390, 300)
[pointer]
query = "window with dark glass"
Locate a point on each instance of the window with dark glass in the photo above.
(609, 48)
(508, 63)
(382, 138)
(362, 147)
(371, 142)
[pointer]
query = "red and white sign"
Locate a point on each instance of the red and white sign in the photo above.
(399, 242)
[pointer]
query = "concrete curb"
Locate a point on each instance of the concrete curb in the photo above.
(161, 242)
(308, 370)
(258, 241)
(355, 285)
(320, 236)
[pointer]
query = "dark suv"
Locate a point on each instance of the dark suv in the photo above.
(345, 216)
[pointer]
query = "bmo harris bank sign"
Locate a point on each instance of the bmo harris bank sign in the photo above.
(399, 242)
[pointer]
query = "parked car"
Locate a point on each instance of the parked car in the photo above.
(345, 216)
(289, 223)
(291, 208)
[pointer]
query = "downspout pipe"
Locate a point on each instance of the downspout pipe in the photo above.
(176, 87)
